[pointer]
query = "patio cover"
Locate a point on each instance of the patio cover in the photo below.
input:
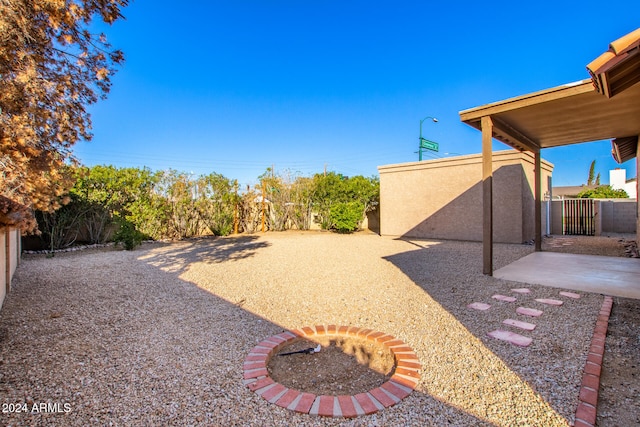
(569, 114)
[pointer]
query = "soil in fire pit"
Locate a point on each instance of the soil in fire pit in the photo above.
(344, 366)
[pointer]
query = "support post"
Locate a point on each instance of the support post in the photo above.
(637, 193)
(487, 196)
(538, 199)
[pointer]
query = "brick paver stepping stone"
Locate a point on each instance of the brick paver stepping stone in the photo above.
(519, 324)
(550, 301)
(479, 306)
(522, 290)
(511, 337)
(529, 311)
(503, 298)
(570, 295)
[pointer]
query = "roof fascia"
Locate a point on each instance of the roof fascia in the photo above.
(475, 114)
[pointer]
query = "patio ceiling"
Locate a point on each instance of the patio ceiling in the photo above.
(568, 114)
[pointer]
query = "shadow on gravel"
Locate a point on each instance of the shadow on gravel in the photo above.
(451, 273)
(118, 340)
(176, 257)
(103, 339)
(123, 340)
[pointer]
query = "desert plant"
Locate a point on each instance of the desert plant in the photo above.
(60, 228)
(346, 217)
(216, 203)
(128, 235)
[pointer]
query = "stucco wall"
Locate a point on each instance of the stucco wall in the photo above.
(9, 258)
(3, 264)
(443, 198)
(372, 221)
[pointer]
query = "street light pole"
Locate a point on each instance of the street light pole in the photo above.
(420, 139)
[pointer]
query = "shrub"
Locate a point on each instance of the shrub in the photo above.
(346, 217)
(221, 223)
(603, 192)
(128, 235)
(60, 228)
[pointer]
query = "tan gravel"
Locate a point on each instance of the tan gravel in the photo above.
(157, 336)
(611, 244)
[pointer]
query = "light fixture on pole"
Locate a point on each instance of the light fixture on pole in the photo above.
(425, 144)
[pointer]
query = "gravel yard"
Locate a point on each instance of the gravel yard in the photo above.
(157, 336)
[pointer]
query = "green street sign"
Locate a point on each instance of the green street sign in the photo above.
(429, 145)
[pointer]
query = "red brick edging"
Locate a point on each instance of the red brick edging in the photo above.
(399, 386)
(588, 398)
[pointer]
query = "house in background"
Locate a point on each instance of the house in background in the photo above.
(442, 199)
(570, 191)
(618, 181)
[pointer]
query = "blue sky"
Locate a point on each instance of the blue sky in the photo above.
(236, 87)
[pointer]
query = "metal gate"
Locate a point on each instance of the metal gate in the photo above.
(578, 217)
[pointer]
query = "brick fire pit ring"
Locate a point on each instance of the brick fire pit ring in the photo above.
(403, 381)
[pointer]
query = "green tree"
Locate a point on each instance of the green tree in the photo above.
(114, 188)
(603, 192)
(275, 190)
(346, 216)
(332, 188)
(150, 216)
(301, 203)
(289, 197)
(366, 191)
(128, 235)
(216, 203)
(60, 228)
(100, 200)
(592, 168)
(108, 193)
(328, 189)
(179, 194)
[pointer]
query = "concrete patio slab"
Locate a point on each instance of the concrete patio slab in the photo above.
(615, 276)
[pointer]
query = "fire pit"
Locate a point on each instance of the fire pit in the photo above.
(334, 371)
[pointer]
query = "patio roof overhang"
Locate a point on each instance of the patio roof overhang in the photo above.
(604, 107)
(564, 115)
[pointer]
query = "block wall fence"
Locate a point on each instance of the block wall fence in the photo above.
(442, 198)
(612, 216)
